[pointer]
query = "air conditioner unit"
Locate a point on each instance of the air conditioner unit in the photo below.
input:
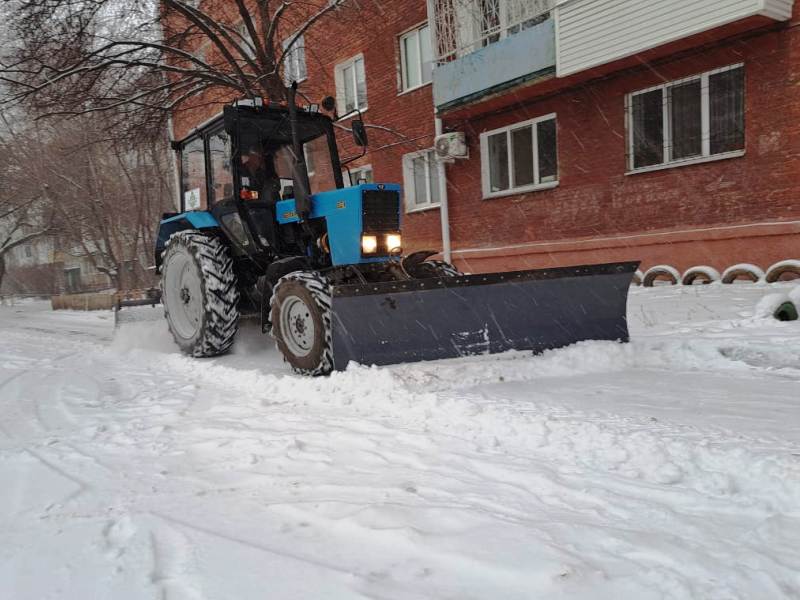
(451, 145)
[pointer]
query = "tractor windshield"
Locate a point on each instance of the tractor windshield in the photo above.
(267, 156)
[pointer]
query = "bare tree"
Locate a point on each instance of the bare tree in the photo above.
(25, 214)
(143, 59)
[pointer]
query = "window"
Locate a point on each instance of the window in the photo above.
(520, 158)
(351, 86)
(219, 152)
(246, 41)
(360, 175)
(72, 279)
(692, 119)
(421, 179)
(308, 155)
(193, 175)
(416, 58)
(294, 65)
(201, 52)
(28, 251)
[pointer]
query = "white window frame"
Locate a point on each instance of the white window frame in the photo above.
(404, 59)
(409, 187)
(340, 89)
(293, 59)
(705, 105)
(537, 185)
(355, 171)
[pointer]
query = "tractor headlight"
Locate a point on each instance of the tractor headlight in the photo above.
(393, 242)
(369, 244)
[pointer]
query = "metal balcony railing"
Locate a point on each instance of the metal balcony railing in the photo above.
(464, 26)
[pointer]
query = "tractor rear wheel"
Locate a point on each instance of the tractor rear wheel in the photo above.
(198, 290)
(301, 322)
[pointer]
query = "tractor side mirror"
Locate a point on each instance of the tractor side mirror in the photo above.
(329, 103)
(359, 133)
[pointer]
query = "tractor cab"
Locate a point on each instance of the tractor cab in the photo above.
(241, 164)
(270, 177)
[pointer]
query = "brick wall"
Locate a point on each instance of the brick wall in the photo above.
(714, 213)
(596, 199)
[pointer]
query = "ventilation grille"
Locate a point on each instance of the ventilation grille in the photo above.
(381, 211)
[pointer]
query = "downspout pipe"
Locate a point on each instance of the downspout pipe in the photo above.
(444, 214)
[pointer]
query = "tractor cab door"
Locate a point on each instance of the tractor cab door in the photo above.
(222, 201)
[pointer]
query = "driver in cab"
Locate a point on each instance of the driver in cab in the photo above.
(259, 178)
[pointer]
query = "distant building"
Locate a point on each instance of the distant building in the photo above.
(38, 267)
(594, 131)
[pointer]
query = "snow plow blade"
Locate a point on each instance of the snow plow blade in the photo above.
(449, 317)
(138, 306)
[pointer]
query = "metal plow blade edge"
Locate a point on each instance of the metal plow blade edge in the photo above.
(137, 307)
(449, 317)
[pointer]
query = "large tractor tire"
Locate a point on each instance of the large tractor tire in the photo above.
(300, 311)
(198, 290)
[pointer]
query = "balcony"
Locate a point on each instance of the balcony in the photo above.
(484, 46)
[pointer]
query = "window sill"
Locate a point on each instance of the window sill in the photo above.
(691, 161)
(420, 209)
(351, 114)
(414, 89)
(522, 190)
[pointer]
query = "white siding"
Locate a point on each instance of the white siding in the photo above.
(780, 10)
(595, 32)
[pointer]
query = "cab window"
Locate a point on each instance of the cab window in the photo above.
(193, 175)
(221, 176)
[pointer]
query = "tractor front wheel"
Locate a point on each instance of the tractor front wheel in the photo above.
(301, 322)
(198, 290)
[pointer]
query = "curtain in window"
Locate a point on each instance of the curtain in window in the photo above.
(522, 147)
(686, 118)
(648, 129)
(361, 83)
(726, 100)
(420, 182)
(498, 162)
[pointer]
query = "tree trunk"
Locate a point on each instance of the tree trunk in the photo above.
(2, 269)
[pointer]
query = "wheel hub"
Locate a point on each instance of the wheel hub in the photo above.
(185, 295)
(297, 326)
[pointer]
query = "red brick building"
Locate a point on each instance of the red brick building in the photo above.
(594, 131)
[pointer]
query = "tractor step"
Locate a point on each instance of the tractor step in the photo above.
(449, 317)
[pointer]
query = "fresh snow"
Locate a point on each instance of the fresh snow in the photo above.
(665, 468)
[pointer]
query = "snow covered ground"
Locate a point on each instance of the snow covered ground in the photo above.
(665, 468)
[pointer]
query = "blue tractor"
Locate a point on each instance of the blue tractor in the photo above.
(268, 228)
